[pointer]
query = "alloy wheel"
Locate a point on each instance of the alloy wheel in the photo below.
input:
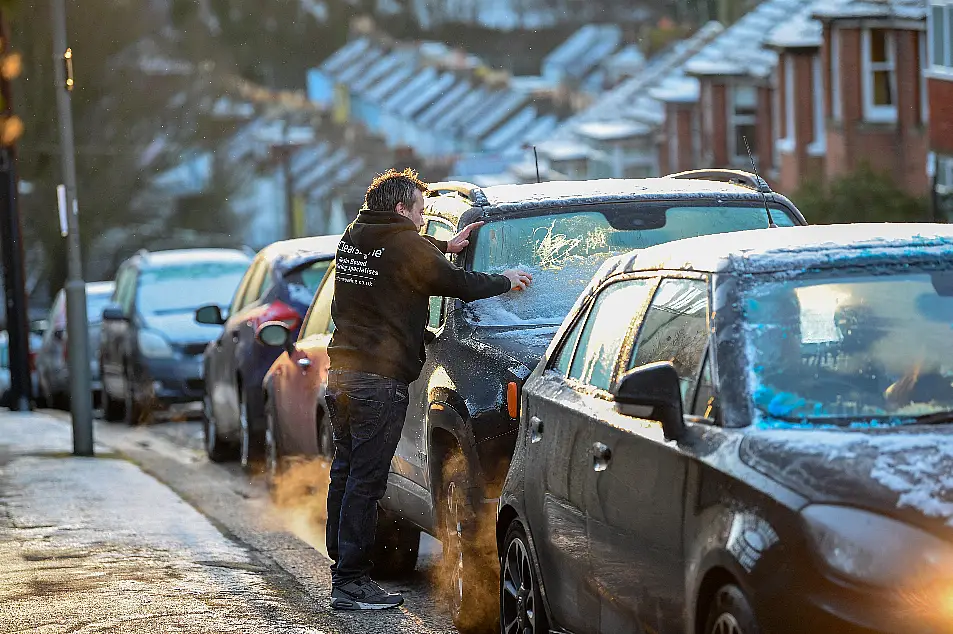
(726, 624)
(453, 531)
(519, 591)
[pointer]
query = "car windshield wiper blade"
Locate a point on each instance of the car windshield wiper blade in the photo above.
(935, 418)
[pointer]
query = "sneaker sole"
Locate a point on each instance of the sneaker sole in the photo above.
(346, 604)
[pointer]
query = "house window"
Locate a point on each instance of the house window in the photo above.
(879, 80)
(940, 29)
(836, 107)
(788, 143)
(744, 111)
(924, 65)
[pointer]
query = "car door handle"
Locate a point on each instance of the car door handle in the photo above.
(601, 455)
(536, 429)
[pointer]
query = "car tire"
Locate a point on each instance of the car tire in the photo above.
(396, 547)
(469, 565)
(521, 601)
(731, 613)
(217, 449)
(251, 449)
(273, 457)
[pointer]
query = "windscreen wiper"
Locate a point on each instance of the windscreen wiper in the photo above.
(936, 418)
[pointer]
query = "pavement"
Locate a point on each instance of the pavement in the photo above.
(149, 536)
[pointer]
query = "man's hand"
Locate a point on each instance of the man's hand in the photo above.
(519, 280)
(457, 243)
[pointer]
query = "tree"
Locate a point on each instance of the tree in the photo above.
(864, 195)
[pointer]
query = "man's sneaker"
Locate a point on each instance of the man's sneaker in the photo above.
(363, 594)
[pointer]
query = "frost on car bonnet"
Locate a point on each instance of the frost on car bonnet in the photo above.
(910, 468)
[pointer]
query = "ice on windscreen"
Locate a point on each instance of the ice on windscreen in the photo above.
(561, 268)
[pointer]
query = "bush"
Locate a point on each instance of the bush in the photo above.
(861, 196)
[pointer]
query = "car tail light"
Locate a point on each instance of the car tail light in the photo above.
(277, 311)
(512, 399)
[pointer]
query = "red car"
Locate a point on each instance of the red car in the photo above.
(297, 425)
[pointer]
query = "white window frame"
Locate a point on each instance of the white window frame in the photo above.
(776, 124)
(837, 106)
(944, 177)
(740, 154)
(819, 146)
(944, 67)
(874, 113)
(789, 142)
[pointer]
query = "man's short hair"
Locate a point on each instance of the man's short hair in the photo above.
(393, 187)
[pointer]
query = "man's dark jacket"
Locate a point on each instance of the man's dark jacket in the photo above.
(386, 273)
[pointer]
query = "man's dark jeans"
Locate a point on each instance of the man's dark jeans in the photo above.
(367, 415)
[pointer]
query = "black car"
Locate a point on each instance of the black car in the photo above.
(150, 350)
(461, 423)
(278, 287)
(744, 433)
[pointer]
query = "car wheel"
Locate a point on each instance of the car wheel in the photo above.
(731, 613)
(251, 449)
(396, 547)
(521, 603)
(325, 436)
(217, 449)
(470, 567)
(272, 450)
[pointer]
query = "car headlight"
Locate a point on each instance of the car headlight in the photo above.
(154, 345)
(876, 550)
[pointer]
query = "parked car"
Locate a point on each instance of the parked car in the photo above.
(151, 349)
(462, 420)
(52, 360)
(5, 378)
(745, 433)
(279, 286)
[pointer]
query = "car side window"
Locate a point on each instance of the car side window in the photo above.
(319, 318)
(256, 284)
(705, 401)
(564, 358)
(675, 329)
(440, 231)
(605, 330)
(242, 290)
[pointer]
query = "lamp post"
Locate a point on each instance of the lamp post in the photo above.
(81, 399)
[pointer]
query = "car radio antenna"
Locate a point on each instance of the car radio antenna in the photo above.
(536, 158)
(764, 198)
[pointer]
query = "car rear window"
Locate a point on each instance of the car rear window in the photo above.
(563, 251)
(184, 288)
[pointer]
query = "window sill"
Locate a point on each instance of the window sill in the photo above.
(785, 146)
(939, 72)
(817, 149)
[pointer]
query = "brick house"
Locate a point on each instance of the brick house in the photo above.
(873, 55)
(939, 80)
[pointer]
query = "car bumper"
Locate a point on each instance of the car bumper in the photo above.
(173, 381)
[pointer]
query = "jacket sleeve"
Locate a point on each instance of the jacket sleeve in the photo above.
(434, 275)
(440, 244)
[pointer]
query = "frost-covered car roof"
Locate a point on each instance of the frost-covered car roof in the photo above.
(563, 192)
(290, 254)
(796, 248)
(176, 257)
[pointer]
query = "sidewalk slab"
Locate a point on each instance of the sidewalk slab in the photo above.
(95, 544)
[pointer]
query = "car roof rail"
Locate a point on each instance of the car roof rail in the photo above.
(735, 177)
(471, 192)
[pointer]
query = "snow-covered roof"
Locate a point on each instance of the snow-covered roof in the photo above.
(360, 66)
(461, 109)
(345, 55)
(444, 103)
(511, 131)
(509, 104)
(801, 31)
(567, 150)
(377, 71)
(740, 49)
(574, 46)
(677, 89)
(630, 101)
(846, 9)
(400, 76)
(428, 95)
(612, 130)
(409, 90)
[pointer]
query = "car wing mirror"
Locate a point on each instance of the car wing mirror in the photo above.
(275, 334)
(114, 312)
(210, 315)
(652, 391)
